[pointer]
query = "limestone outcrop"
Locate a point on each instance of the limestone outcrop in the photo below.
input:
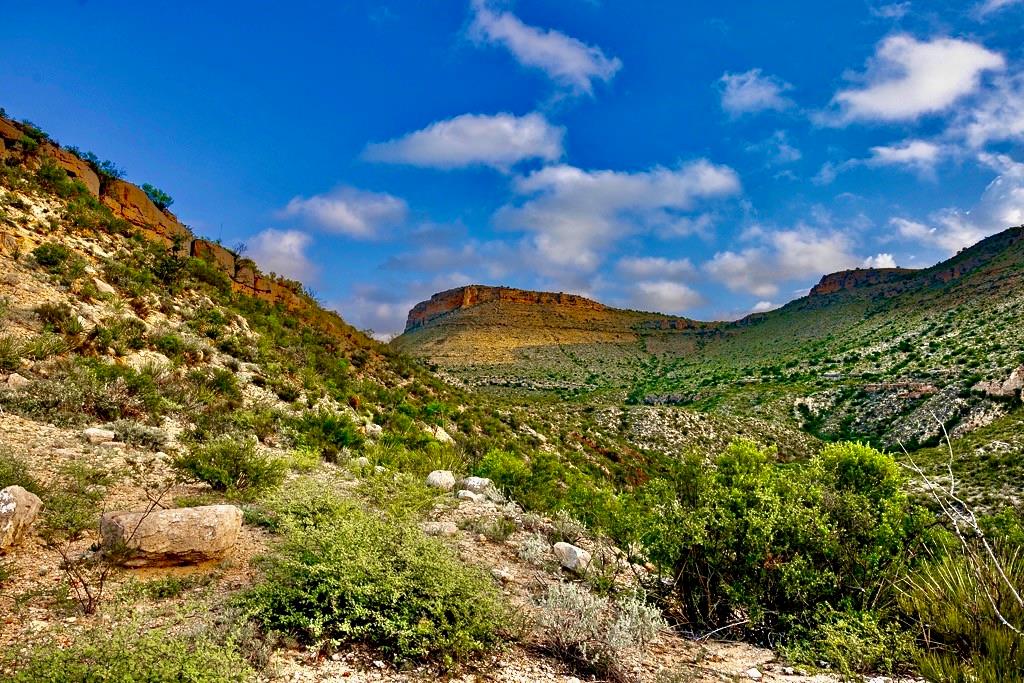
(18, 510)
(459, 298)
(171, 537)
(129, 203)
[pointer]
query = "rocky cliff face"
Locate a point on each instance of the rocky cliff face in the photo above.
(129, 203)
(860, 277)
(452, 300)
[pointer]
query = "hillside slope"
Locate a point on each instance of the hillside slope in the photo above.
(891, 355)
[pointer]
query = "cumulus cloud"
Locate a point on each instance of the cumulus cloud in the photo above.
(781, 256)
(882, 260)
(752, 91)
(648, 267)
(383, 309)
(907, 78)
(997, 116)
(575, 214)
(500, 141)
(664, 296)
(566, 60)
(283, 252)
(920, 156)
(349, 211)
(1001, 206)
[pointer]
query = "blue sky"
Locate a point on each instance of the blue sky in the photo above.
(705, 159)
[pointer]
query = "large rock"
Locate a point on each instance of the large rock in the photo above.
(169, 537)
(98, 435)
(441, 479)
(1009, 388)
(132, 204)
(18, 510)
(572, 557)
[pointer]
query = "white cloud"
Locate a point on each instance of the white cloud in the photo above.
(566, 60)
(763, 307)
(778, 149)
(501, 141)
(1001, 206)
(908, 78)
(895, 10)
(384, 308)
(649, 267)
(750, 92)
(349, 211)
(988, 7)
(575, 214)
(282, 252)
(998, 115)
(782, 256)
(882, 260)
(919, 155)
(664, 296)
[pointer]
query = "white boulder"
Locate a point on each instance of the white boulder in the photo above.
(170, 537)
(572, 557)
(441, 479)
(18, 510)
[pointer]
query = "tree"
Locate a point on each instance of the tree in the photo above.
(158, 196)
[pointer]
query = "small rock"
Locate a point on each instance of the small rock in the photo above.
(440, 434)
(145, 359)
(753, 674)
(477, 484)
(16, 381)
(361, 462)
(501, 574)
(469, 495)
(18, 510)
(441, 479)
(788, 671)
(173, 536)
(97, 435)
(374, 430)
(441, 528)
(102, 287)
(572, 557)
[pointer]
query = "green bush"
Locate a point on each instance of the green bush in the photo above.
(157, 196)
(325, 432)
(776, 542)
(14, 472)
(855, 642)
(354, 576)
(51, 256)
(127, 654)
(232, 466)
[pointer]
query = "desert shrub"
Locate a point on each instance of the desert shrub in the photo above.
(58, 317)
(12, 350)
(776, 542)
(78, 392)
(232, 466)
(325, 432)
(535, 550)
(854, 642)
(157, 196)
(122, 333)
(139, 434)
(497, 529)
(596, 635)
(130, 653)
(199, 271)
(14, 472)
(71, 502)
(355, 576)
(956, 597)
(42, 346)
(51, 256)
